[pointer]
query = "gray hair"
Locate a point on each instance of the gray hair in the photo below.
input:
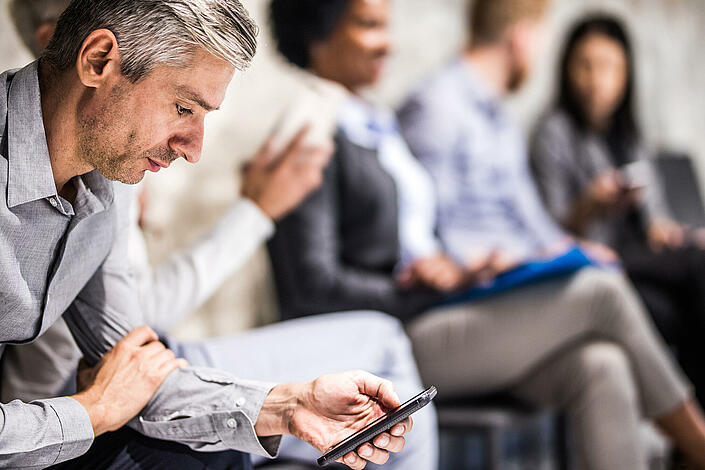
(151, 32)
(29, 15)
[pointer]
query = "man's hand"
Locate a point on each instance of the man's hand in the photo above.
(438, 272)
(278, 181)
(599, 252)
(123, 382)
(331, 408)
(485, 267)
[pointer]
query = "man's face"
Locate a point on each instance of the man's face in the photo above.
(128, 128)
(527, 42)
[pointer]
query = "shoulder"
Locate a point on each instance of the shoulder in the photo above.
(554, 124)
(433, 93)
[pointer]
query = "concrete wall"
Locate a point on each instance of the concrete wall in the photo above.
(185, 201)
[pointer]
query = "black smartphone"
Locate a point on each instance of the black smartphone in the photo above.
(383, 423)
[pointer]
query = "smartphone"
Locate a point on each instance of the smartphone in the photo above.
(636, 175)
(383, 423)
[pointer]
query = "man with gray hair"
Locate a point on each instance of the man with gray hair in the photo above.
(123, 88)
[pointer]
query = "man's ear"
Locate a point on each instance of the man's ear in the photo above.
(99, 59)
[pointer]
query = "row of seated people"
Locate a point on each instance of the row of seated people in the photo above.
(417, 210)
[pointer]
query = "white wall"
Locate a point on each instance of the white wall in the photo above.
(185, 201)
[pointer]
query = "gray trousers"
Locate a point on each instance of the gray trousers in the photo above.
(303, 349)
(583, 344)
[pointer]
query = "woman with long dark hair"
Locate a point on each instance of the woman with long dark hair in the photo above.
(592, 166)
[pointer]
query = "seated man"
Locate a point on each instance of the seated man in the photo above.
(365, 239)
(374, 342)
(93, 109)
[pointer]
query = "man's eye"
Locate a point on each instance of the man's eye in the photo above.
(181, 110)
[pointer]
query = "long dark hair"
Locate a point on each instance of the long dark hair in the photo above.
(624, 131)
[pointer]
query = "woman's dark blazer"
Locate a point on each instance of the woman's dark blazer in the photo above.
(337, 251)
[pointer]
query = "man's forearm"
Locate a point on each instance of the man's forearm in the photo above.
(278, 409)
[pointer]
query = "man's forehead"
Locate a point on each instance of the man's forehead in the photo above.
(186, 92)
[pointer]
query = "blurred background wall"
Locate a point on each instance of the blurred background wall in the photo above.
(184, 202)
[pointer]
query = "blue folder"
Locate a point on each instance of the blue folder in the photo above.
(529, 273)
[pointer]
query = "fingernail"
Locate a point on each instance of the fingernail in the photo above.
(398, 430)
(365, 451)
(383, 440)
(350, 459)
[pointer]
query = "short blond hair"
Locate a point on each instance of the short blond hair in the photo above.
(489, 19)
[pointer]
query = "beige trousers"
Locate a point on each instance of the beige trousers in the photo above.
(584, 344)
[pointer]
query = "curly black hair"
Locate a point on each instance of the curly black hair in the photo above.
(297, 24)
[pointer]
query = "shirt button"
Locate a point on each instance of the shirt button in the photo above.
(231, 423)
(240, 402)
(52, 201)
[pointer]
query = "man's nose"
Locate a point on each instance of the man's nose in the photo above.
(189, 144)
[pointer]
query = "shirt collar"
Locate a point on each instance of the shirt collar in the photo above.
(364, 124)
(29, 175)
(477, 90)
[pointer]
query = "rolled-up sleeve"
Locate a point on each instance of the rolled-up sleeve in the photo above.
(43, 432)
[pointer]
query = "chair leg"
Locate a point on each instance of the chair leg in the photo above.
(493, 449)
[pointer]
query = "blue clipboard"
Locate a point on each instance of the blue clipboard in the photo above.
(529, 273)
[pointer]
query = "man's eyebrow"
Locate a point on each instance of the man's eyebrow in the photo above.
(191, 95)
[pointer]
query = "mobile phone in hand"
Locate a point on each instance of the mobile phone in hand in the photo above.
(383, 423)
(636, 175)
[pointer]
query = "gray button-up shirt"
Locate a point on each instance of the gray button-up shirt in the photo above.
(59, 258)
(477, 156)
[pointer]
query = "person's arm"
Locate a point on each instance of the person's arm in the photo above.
(207, 410)
(43, 432)
(550, 168)
(129, 375)
(309, 269)
(179, 286)
(273, 183)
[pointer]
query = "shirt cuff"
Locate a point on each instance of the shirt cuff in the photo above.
(76, 427)
(237, 429)
(222, 415)
(258, 220)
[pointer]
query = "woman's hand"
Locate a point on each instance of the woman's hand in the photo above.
(664, 233)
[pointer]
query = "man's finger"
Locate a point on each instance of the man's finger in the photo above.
(402, 428)
(161, 358)
(373, 454)
(140, 335)
(170, 366)
(377, 388)
(151, 349)
(388, 442)
(353, 461)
